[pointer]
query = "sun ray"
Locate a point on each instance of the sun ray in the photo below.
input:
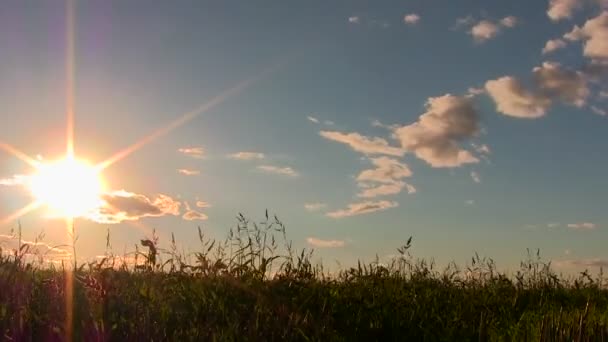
(70, 66)
(184, 118)
(22, 156)
(21, 212)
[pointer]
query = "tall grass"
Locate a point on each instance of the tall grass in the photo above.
(255, 286)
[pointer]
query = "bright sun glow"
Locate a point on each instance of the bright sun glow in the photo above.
(69, 187)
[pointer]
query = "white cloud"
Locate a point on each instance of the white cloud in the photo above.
(283, 171)
(553, 45)
(563, 9)
(319, 243)
(435, 137)
(15, 180)
(595, 36)
(363, 144)
(354, 20)
(485, 29)
(362, 208)
(513, 99)
(193, 152)
(247, 156)
(582, 226)
(475, 176)
(582, 263)
(122, 206)
(316, 206)
(599, 111)
(469, 202)
(312, 119)
(472, 92)
(188, 172)
(411, 19)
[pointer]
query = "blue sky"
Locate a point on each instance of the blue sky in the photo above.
(363, 122)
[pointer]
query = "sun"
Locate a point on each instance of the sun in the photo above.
(68, 187)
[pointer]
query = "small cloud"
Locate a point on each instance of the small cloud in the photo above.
(509, 21)
(193, 152)
(247, 156)
(203, 204)
(188, 172)
(312, 119)
(563, 9)
(475, 177)
(482, 149)
(475, 91)
(582, 263)
(193, 215)
(316, 206)
(354, 20)
(362, 208)
(553, 225)
(486, 29)
(319, 243)
(582, 226)
(469, 202)
(284, 171)
(410, 189)
(599, 111)
(464, 21)
(553, 45)
(15, 180)
(411, 19)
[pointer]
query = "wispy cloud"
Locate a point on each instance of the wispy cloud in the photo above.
(313, 119)
(362, 208)
(319, 243)
(382, 190)
(193, 152)
(582, 263)
(193, 215)
(247, 156)
(189, 172)
(122, 206)
(469, 202)
(315, 206)
(278, 170)
(582, 226)
(475, 176)
(15, 180)
(203, 204)
(11, 243)
(354, 19)
(384, 179)
(363, 144)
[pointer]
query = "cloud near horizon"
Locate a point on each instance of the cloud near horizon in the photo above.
(320, 243)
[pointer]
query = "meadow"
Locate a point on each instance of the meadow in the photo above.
(253, 286)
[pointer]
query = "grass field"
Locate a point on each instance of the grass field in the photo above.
(254, 287)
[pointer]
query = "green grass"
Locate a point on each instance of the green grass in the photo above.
(254, 286)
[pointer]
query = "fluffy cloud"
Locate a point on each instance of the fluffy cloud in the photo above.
(553, 45)
(314, 206)
(563, 9)
(569, 86)
(411, 19)
(595, 35)
(435, 137)
(284, 171)
(193, 152)
(486, 29)
(188, 172)
(551, 82)
(582, 226)
(319, 243)
(122, 206)
(362, 208)
(513, 99)
(247, 156)
(363, 144)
